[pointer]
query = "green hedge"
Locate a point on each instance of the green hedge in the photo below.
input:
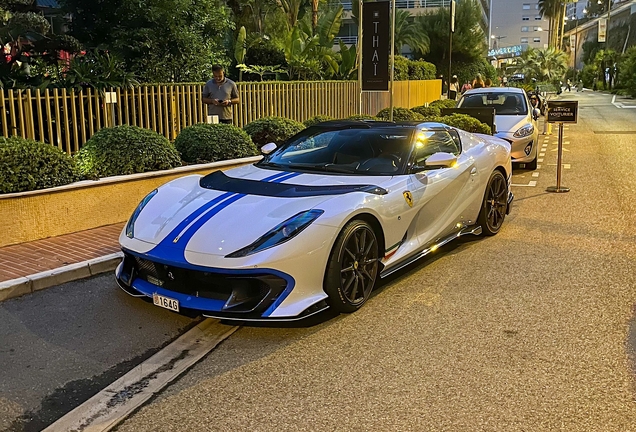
(406, 69)
(467, 123)
(317, 119)
(443, 103)
(30, 165)
(214, 142)
(428, 111)
(363, 117)
(272, 129)
(126, 150)
(400, 114)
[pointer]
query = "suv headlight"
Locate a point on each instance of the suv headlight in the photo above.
(283, 232)
(524, 131)
(130, 226)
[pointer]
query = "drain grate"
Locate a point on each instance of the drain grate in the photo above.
(615, 132)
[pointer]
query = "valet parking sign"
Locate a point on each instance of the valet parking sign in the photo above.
(563, 111)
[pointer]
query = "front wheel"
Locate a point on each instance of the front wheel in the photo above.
(495, 204)
(352, 268)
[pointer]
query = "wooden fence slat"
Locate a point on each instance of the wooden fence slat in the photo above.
(147, 108)
(76, 144)
(47, 100)
(38, 99)
(67, 132)
(82, 117)
(159, 111)
(3, 118)
(120, 120)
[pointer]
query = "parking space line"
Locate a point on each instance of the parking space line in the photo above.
(538, 166)
(539, 160)
(542, 154)
(530, 184)
(564, 165)
(535, 174)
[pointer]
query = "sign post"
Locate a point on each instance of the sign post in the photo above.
(561, 112)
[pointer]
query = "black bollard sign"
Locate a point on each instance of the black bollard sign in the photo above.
(375, 46)
(561, 112)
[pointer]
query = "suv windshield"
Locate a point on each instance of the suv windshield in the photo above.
(374, 151)
(504, 103)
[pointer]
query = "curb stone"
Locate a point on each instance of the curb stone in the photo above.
(30, 284)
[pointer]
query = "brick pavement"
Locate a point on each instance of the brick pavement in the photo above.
(33, 257)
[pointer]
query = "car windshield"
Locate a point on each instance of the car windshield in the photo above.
(368, 151)
(504, 103)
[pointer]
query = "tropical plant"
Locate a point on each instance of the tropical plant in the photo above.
(292, 9)
(99, 71)
(605, 60)
(126, 150)
(348, 66)
(548, 64)
(261, 70)
(628, 71)
(213, 142)
(30, 165)
(409, 32)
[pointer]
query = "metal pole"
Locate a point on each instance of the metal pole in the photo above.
(558, 188)
(360, 58)
(576, 44)
(392, 60)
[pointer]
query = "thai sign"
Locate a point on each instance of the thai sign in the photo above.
(562, 111)
(375, 46)
(602, 29)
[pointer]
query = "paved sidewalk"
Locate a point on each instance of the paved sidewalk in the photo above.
(34, 265)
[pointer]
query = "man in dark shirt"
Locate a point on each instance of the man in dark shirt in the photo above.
(220, 93)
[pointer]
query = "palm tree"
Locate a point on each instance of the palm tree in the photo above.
(408, 32)
(543, 64)
(550, 9)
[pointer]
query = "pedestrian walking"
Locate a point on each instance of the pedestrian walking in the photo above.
(219, 94)
(478, 82)
(453, 89)
(487, 82)
(568, 84)
(467, 86)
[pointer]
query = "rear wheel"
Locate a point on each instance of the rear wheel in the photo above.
(352, 268)
(495, 204)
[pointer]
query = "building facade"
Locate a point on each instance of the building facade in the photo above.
(517, 23)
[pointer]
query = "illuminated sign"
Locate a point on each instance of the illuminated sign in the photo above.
(509, 51)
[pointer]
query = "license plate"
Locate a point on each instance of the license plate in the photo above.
(165, 302)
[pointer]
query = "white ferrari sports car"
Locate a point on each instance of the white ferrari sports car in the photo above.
(316, 222)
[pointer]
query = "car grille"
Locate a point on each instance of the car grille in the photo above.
(242, 293)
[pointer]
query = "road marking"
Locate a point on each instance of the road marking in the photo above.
(566, 142)
(535, 174)
(564, 165)
(112, 405)
(538, 166)
(542, 154)
(531, 184)
(539, 160)
(564, 149)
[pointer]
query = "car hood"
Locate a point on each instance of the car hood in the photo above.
(215, 220)
(510, 123)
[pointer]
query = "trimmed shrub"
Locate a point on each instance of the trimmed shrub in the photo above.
(201, 143)
(401, 71)
(421, 70)
(272, 129)
(316, 119)
(400, 114)
(467, 123)
(443, 103)
(428, 111)
(363, 117)
(125, 150)
(27, 165)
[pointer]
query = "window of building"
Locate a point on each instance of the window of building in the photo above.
(537, 40)
(536, 6)
(526, 6)
(538, 18)
(525, 18)
(524, 29)
(535, 28)
(524, 40)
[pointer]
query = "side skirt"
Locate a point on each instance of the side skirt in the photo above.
(474, 230)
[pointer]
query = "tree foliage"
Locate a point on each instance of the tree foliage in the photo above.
(548, 64)
(158, 40)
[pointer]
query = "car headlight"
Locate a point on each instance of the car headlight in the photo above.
(524, 131)
(283, 232)
(130, 226)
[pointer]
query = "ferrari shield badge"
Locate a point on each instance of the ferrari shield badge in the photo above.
(408, 197)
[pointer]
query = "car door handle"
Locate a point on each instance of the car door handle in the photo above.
(473, 171)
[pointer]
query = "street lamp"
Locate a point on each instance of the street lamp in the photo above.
(496, 40)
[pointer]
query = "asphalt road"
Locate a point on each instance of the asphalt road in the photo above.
(525, 331)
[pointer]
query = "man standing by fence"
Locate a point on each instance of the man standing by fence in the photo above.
(220, 93)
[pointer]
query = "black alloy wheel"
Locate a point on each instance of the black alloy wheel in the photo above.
(353, 267)
(495, 204)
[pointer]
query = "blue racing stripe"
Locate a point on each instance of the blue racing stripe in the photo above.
(287, 176)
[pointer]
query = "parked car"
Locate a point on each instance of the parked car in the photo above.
(316, 222)
(515, 119)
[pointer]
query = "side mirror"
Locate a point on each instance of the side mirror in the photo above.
(268, 148)
(441, 159)
(536, 113)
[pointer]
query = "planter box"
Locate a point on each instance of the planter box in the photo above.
(34, 215)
